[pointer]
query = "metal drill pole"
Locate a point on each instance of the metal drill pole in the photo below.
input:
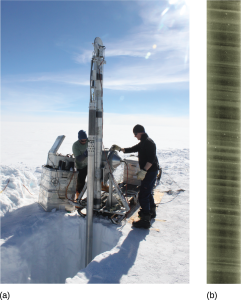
(94, 143)
(90, 183)
(98, 66)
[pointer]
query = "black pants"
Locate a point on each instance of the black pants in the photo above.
(146, 199)
(81, 179)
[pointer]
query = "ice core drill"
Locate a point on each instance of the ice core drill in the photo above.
(95, 140)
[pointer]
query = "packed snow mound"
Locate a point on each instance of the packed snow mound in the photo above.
(21, 187)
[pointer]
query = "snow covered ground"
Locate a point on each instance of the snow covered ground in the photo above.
(41, 247)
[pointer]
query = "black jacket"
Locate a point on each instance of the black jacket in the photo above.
(146, 153)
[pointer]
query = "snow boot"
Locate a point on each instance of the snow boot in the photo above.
(152, 211)
(140, 213)
(144, 222)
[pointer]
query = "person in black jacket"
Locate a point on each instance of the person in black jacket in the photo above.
(148, 171)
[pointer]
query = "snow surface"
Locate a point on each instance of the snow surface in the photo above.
(49, 247)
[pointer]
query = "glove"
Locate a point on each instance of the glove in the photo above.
(115, 147)
(85, 153)
(141, 174)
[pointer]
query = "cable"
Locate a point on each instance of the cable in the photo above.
(68, 187)
(173, 198)
(122, 225)
(28, 190)
(180, 190)
(173, 180)
(5, 186)
(126, 175)
(23, 185)
(66, 190)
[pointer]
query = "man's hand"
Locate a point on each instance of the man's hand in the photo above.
(116, 147)
(85, 153)
(141, 174)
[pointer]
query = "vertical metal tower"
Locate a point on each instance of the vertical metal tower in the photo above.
(95, 141)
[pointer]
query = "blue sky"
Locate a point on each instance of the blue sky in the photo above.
(47, 47)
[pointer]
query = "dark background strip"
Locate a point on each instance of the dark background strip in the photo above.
(223, 142)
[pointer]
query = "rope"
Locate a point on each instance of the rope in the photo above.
(5, 186)
(28, 190)
(23, 185)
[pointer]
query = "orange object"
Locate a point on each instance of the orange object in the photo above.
(104, 188)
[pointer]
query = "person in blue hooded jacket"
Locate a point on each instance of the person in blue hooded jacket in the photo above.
(80, 151)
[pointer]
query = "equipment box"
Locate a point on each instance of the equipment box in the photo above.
(133, 168)
(55, 199)
(55, 185)
(58, 180)
(53, 179)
